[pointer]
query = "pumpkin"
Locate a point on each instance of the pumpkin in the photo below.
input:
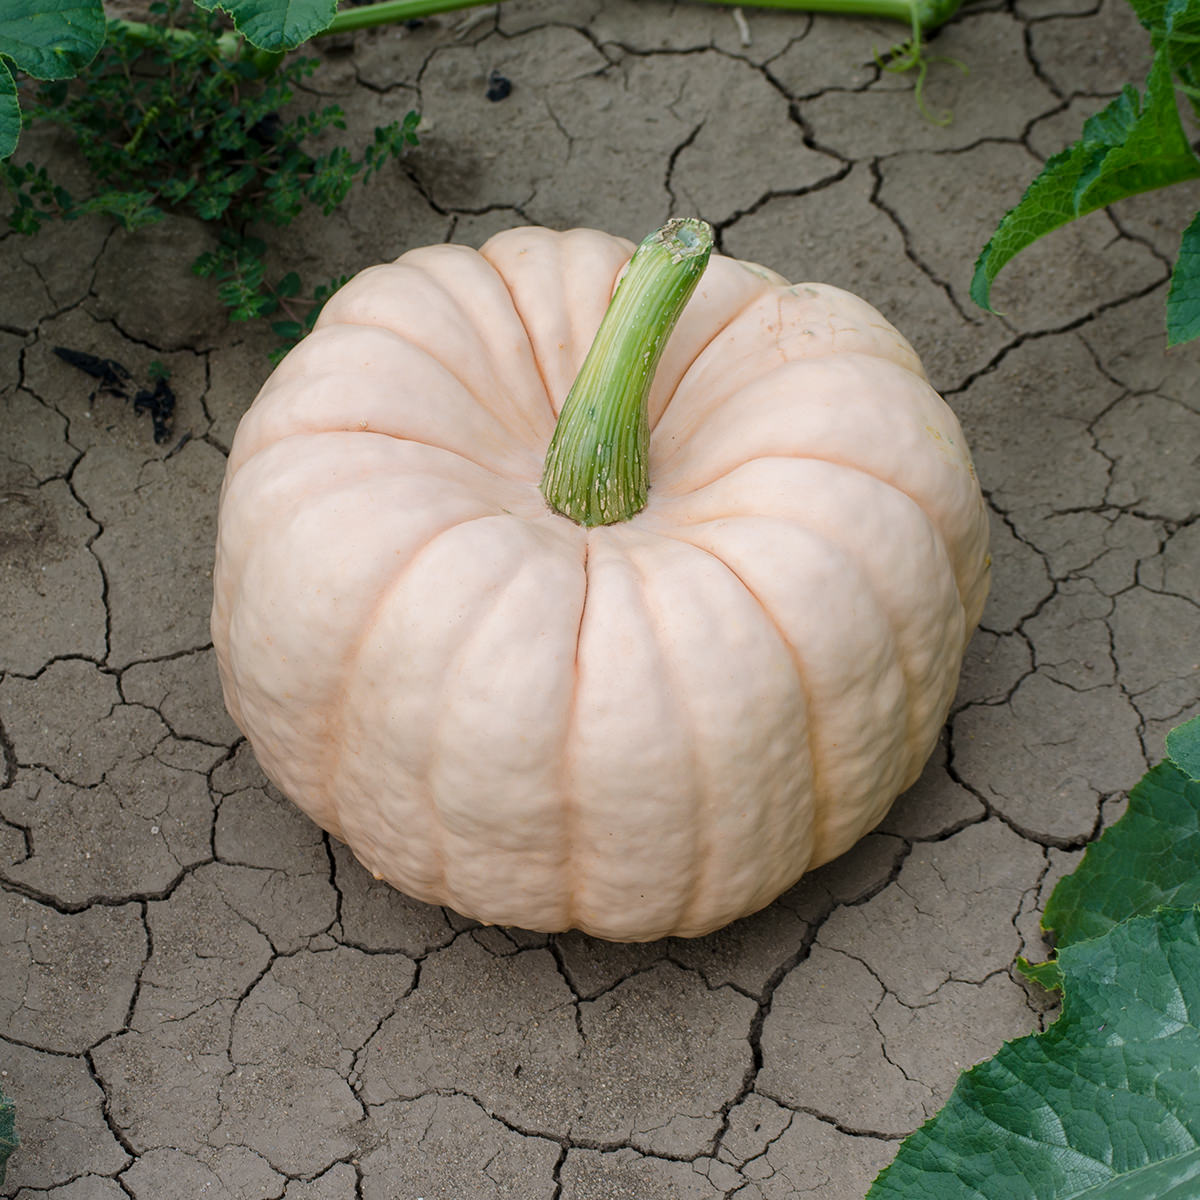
(545, 712)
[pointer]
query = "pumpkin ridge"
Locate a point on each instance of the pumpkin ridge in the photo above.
(569, 836)
(334, 755)
(400, 336)
(896, 644)
(561, 283)
(702, 840)
(537, 362)
(805, 691)
(700, 353)
(469, 313)
(684, 522)
(394, 437)
(831, 351)
(435, 740)
(846, 466)
(719, 400)
(233, 602)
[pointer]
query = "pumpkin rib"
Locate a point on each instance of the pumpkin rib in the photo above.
(740, 847)
(846, 466)
(701, 844)
(232, 603)
(892, 647)
(849, 363)
(327, 699)
(229, 611)
(389, 777)
(656, 418)
(569, 834)
(471, 317)
(966, 574)
(519, 435)
(354, 653)
(898, 643)
(537, 362)
(876, 350)
(435, 741)
(392, 437)
(560, 284)
(801, 513)
(805, 692)
(228, 502)
(518, 310)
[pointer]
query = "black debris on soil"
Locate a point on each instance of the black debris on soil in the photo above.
(115, 380)
(160, 404)
(499, 87)
(112, 375)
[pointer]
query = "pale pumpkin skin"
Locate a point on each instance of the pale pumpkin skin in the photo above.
(640, 729)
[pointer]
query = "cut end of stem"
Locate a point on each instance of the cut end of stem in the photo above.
(597, 465)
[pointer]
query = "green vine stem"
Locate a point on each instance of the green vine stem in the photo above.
(389, 12)
(597, 466)
(921, 15)
(925, 15)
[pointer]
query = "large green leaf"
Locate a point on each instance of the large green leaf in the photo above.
(277, 24)
(1105, 1105)
(1150, 857)
(10, 112)
(1130, 146)
(8, 1132)
(48, 39)
(51, 39)
(1183, 300)
(1183, 743)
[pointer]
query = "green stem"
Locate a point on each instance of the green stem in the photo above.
(922, 15)
(597, 466)
(390, 12)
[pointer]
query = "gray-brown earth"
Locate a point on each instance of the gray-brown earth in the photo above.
(200, 995)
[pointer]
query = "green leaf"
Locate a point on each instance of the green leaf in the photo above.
(1128, 147)
(51, 39)
(277, 24)
(1183, 300)
(1150, 857)
(1046, 974)
(10, 112)
(290, 331)
(1105, 1104)
(1175, 25)
(1183, 742)
(8, 1132)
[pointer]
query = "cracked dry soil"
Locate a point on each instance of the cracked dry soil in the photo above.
(203, 996)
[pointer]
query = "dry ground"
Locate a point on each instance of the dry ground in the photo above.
(200, 996)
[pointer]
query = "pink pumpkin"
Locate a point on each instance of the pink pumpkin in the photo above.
(636, 729)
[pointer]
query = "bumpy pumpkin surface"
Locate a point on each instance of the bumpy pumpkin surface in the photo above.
(639, 729)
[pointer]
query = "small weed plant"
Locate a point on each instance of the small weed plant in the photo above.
(168, 122)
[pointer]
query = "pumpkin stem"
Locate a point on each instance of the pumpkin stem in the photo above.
(597, 466)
